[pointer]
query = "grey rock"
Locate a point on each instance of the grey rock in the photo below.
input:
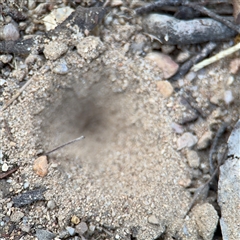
(153, 220)
(61, 68)
(44, 234)
(206, 219)
(81, 228)
(70, 230)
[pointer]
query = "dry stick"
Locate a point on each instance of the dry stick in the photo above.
(65, 144)
(213, 15)
(199, 191)
(215, 58)
(213, 150)
(17, 94)
(195, 59)
(6, 174)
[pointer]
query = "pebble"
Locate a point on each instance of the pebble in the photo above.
(6, 58)
(234, 66)
(228, 97)
(177, 128)
(81, 228)
(61, 68)
(75, 220)
(165, 88)
(70, 230)
(206, 218)
(193, 159)
(51, 204)
(26, 185)
(186, 140)
(190, 76)
(44, 234)
(54, 50)
(205, 140)
(9, 32)
(90, 47)
(183, 56)
(4, 167)
(2, 82)
(17, 216)
(25, 228)
(40, 166)
(163, 62)
(153, 220)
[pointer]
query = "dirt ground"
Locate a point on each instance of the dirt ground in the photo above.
(128, 178)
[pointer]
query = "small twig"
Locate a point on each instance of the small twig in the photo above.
(195, 59)
(199, 191)
(17, 94)
(215, 58)
(213, 149)
(6, 174)
(213, 16)
(65, 144)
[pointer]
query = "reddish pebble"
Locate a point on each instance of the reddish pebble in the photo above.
(40, 166)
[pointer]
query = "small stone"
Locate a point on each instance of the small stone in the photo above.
(206, 218)
(186, 140)
(190, 76)
(183, 56)
(4, 167)
(234, 65)
(185, 182)
(205, 140)
(61, 68)
(51, 204)
(26, 185)
(165, 88)
(6, 58)
(9, 32)
(153, 220)
(164, 63)
(81, 228)
(75, 220)
(193, 159)
(177, 128)
(54, 50)
(90, 48)
(2, 82)
(17, 216)
(70, 230)
(228, 97)
(44, 234)
(40, 166)
(25, 228)
(167, 49)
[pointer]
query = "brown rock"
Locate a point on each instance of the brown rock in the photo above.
(40, 166)
(164, 62)
(165, 88)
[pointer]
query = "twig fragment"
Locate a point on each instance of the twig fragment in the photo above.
(195, 59)
(215, 58)
(6, 174)
(65, 144)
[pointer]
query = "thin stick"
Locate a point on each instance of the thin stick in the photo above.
(215, 58)
(213, 16)
(6, 174)
(17, 94)
(65, 144)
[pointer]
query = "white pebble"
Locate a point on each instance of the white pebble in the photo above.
(4, 167)
(228, 97)
(70, 230)
(190, 76)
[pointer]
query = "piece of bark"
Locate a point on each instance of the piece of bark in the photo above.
(29, 197)
(180, 32)
(8, 173)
